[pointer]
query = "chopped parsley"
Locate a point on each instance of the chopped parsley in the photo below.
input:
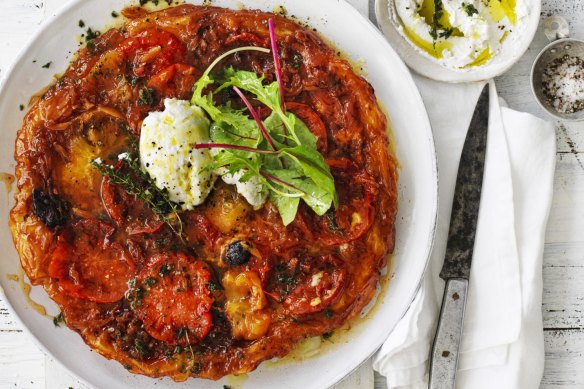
(164, 270)
(285, 279)
(446, 33)
(81, 23)
(115, 14)
(91, 34)
(135, 296)
(21, 106)
(437, 29)
(140, 348)
(469, 9)
(436, 25)
(57, 320)
(47, 65)
(147, 96)
(150, 282)
(327, 335)
(332, 221)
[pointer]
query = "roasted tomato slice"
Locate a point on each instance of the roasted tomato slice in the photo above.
(172, 298)
(175, 81)
(321, 283)
(199, 229)
(152, 50)
(355, 215)
(88, 265)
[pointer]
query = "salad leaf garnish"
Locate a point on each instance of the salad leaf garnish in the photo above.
(206, 102)
(280, 151)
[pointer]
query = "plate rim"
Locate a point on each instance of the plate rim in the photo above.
(375, 32)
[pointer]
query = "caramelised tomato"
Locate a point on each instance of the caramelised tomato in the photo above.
(175, 81)
(152, 50)
(355, 215)
(319, 287)
(245, 305)
(171, 295)
(88, 265)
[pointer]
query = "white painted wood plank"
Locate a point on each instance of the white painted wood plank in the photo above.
(563, 262)
(564, 366)
(22, 365)
(7, 322)
(563, 286)
(566, 221)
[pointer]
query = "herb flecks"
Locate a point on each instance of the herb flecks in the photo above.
(147, 96)
(57, 320)
(437, 29)
(139, 184)
(91, 34)
(279, 153)
(446, 33)
(470, 9)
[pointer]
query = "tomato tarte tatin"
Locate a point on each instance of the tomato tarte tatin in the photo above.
(234, 286)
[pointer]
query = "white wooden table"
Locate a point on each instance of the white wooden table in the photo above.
(22, 365)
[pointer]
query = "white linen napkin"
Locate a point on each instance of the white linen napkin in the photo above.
(502, 345)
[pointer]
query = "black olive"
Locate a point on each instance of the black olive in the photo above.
(50, 208)
(236, 254)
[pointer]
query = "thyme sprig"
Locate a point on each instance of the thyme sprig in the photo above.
(138, 183)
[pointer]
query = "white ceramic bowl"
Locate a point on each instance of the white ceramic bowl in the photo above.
(397, 92)
(510, 52)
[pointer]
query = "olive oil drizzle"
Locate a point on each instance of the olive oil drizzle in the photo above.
(26, 289)
(8, 180)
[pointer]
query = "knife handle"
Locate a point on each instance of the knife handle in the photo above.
(444, 358)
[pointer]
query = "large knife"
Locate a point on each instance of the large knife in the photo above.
(459, 250)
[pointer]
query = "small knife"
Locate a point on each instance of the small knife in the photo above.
(459, 249)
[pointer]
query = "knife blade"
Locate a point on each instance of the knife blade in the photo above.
(459, 250)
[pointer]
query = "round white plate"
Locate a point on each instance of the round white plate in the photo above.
(513, 49)
(394, 87)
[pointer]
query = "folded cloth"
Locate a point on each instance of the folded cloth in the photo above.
(502, 344)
